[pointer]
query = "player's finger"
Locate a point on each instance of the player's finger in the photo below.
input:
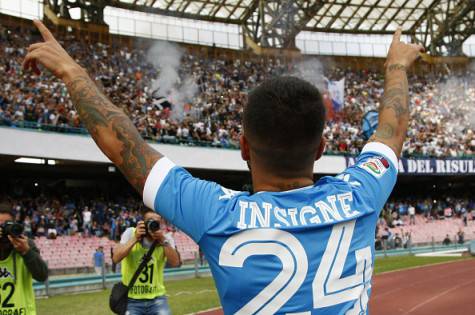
(35, 46)
(420, 48)
(45, 32)
(31, 63)
(34, 67)
(397, 35)
(28, 59)
(26, 62)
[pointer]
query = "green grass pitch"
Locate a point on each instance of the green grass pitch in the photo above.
(191, 295)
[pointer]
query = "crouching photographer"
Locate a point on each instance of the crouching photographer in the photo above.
(144, 281)
(20, 263)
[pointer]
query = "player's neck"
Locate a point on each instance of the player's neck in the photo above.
(276, 183)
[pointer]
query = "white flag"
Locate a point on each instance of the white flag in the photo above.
(336, 89)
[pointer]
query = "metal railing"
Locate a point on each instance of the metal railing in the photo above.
(90, 282)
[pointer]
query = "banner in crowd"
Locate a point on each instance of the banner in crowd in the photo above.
(431, 166)
(336, 89)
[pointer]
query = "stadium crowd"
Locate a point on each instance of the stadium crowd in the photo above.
(401, 217)
(51, 216)
(432, 209)
(87, 214)
(440, 124)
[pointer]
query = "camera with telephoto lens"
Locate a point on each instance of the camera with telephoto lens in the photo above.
(151, 226)
(11, 228)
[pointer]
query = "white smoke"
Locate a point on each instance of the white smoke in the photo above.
(446, 107)
(166, 57)
(310, 70)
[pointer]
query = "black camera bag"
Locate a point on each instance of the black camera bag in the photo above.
(120, 291)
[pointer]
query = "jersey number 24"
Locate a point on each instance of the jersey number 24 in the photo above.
(329, 287)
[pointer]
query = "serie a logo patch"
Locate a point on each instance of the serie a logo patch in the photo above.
(375, 166)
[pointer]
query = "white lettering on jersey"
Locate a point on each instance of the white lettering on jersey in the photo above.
(326, 210)
(280, 215)
(228, 193)
(256, 215)
(346, 178)
(336, 208)
(242, 215)
(343, 198)
(293, 215)
(310, 210)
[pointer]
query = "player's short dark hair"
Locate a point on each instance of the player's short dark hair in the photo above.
(283, 122)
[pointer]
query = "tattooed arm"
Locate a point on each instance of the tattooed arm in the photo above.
(394, 108)
(108, 125)
(113, 132)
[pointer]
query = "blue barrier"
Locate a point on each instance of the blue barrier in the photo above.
(419, 250)
(63, 282)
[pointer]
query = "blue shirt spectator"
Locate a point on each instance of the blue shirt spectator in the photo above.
(99, 260)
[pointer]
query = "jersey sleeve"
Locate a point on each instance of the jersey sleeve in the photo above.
(373, 176)
(189, 203)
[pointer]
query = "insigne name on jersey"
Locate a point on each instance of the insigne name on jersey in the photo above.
(332, 209)
(375, 166)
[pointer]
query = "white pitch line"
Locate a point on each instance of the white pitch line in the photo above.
(192, 292)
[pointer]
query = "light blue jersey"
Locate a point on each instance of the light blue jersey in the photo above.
(304, 251)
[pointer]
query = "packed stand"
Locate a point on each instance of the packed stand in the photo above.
(68, 229)
(444, 220)
(50, 216)
(442, 121)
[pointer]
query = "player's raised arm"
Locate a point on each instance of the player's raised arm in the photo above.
(108, 125)
(394, 108)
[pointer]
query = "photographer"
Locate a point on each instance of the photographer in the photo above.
(147, 296)
(20, 263)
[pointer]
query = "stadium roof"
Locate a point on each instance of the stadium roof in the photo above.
(440, 25)
(359, 16)
(228, 11)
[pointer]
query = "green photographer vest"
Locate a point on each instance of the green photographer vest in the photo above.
(149, 284)
(16, 295)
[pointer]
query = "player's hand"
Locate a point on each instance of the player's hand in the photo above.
(140, 230)
(20, 244)
(401, 53)
(158, 236)
(51, 55)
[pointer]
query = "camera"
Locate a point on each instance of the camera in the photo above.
(152, 226)
(11, 228)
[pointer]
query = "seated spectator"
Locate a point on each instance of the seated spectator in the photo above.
(406, 239)
(411, 210)
(397, 241)
(447, 240)
(98, 259)
(461, 236)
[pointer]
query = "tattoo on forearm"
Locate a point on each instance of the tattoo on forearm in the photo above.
(385, 131)
(113, 132)
(396, 66)
(395, 98)
(394, 109)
